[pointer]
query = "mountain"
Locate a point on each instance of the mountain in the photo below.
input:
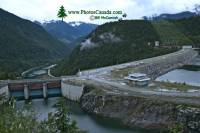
(113, 43)
(127, 40)
(68, 32)
(24, 44)
(177, 16)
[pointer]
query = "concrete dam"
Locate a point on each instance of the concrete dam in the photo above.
(34, 89)
(153, 67)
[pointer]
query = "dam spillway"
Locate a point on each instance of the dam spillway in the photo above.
(35, 89)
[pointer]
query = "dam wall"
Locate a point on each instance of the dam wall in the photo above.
(153, 67)
(71, 92)
(164, 64)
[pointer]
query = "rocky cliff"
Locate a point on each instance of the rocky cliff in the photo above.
(141, 112)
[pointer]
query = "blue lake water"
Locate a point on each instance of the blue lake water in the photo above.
(92, 124)
(181, 76)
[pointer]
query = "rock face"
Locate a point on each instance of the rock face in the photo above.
(190, 117)
(141, 112)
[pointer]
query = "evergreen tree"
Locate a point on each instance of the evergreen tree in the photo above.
(60, 122)
(15, 120)
(62, 13)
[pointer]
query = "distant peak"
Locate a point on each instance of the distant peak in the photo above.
(75, 23)
(51, 21)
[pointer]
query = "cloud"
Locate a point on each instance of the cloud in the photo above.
(47, 9)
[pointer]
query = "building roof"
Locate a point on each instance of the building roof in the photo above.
(141, 77)
(187, 46)
(145, 79)
(140, 80)
(137, 75)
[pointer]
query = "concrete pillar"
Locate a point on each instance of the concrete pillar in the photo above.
(71, 92)
(62, 88)
(7, 92)
(45, 90)
(26, 92)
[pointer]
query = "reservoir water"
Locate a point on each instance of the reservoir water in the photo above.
(181, 76)
(92, 124)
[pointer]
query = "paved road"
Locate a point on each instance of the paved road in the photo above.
(113, 88)
(147, 91)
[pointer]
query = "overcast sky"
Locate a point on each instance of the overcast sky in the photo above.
(47, 9)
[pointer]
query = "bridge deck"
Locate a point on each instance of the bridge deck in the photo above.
(32, 80)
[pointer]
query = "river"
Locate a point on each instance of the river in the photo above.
(93, 124)
(38, 72)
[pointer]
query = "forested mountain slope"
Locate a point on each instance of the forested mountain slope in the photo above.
(24, 44)
(113, 43)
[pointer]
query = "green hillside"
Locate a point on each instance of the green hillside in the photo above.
(24, 44)
(113, 43)
(190, 28)
(170, 34)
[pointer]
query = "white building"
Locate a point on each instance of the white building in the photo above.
(157, 43)
(187, 47)
(138, 79)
